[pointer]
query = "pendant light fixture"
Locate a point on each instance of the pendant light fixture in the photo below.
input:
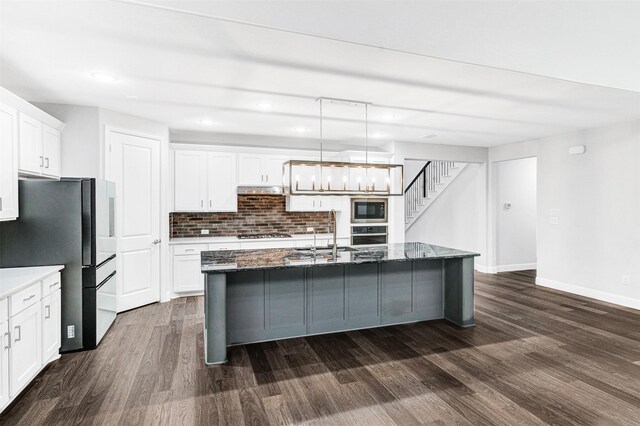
(305, 177)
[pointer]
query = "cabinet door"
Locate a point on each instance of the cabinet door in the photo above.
(8, 162)
(302, 203)
(222, 182)
(50, 326)
(190, 181)
(4, 364)
(187, 276)
(250, 170)
(272, 170)
(51, 151)
(25, 329)
(30, 143)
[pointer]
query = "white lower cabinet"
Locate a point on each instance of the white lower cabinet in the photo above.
(51, 320)
(30, 323)
(187, 274)
(5, 341)
(25, 329)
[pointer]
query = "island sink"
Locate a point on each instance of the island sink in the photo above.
(259, 295)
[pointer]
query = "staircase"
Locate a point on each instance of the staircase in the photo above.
(428, 184)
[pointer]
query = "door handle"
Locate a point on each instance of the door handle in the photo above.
(156, 241)
(17, 328)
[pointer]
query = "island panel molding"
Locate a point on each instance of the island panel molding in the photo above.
(256, 214)
(261, 295)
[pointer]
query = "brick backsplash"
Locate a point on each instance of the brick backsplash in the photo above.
(256, 214)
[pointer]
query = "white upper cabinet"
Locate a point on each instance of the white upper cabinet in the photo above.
(38, 138)
(31, 156)
(260, 170)
(205, 181)
(306, 203)
(8, 162)
(190, 181)
(51, 151)
(222, 182)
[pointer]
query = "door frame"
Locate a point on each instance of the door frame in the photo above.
(163, 139)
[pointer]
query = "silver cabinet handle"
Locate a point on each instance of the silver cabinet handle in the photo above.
(47, 309)
(267, 177)
(7, 335)
(0, 204)
(54, 284)
(201, 203)
(41, 161)
(17, 328)
(46, 162)
(189, 249)
(261, 178)
(210, 202)
(29, 298)
(156, 241)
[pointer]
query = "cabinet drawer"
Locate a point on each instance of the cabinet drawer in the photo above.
(25, 298)
(224, 246)
(4, 310)
(50, 284)
(189, 249)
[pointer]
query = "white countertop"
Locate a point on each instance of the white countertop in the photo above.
(13, 280)
(211, 240)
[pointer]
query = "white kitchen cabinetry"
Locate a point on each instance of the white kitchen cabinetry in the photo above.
(30, 324)
(51, 317)
(8, 163)
(25, 329)
(260, 170)
(309, 203)
(39, 148)
(5, 343)
(205, 181)
(187, 275)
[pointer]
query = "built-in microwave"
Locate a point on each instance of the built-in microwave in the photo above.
(369, 210)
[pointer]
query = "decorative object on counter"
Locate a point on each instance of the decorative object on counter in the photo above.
(262, 214)
(392, 174)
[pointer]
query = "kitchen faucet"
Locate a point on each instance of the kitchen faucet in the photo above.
(332, 212)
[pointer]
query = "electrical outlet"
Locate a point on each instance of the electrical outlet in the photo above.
(204, 232)
(71, 331)
(626, 280)
(310, 229)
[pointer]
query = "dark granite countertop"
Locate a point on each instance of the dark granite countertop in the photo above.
(248, 260)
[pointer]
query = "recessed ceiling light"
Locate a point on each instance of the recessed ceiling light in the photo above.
(389, 117)
(264, 105)
(429, 136)
(206, 122)
(104, 77)
(131, 96)
(300, 129)
(377, 135)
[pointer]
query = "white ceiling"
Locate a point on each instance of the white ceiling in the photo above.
(183, 68)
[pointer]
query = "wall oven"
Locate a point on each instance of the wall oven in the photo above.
(369, 210)
(368, 235)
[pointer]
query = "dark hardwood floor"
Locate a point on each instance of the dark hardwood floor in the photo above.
(536, 356)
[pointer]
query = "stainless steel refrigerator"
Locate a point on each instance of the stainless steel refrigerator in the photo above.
(69, 222)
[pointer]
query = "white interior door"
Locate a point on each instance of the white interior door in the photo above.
(134, 166)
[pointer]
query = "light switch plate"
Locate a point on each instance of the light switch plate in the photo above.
(204, 232)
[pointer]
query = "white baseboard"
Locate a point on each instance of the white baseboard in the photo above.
(505, 268)
(516, 267)
(589, 292)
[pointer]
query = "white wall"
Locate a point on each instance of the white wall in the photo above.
(457, 217)
(595, 200)
(515, 183)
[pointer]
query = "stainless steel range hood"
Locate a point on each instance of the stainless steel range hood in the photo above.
(260, 190)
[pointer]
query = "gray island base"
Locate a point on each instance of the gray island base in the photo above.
(260, 295)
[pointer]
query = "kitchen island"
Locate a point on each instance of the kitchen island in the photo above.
(259, 295)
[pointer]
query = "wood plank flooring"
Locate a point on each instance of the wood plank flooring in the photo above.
(536, 357)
